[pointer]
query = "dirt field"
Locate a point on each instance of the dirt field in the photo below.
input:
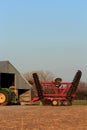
(43, 118)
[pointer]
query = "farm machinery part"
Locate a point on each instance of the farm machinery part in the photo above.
(49, 94)
(74, 85)
(7, 96)
(38, 87)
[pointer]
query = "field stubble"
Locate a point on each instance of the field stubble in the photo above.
(43, 118)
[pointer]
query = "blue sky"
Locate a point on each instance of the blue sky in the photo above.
(45, 35)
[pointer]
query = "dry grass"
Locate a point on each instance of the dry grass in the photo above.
(43, 118)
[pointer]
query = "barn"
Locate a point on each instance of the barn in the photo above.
(9, 75)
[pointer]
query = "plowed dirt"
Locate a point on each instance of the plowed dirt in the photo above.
(43, 118)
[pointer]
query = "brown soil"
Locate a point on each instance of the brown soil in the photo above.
(43, 118)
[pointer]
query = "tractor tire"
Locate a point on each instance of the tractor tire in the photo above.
(54, 103)
(4, 98)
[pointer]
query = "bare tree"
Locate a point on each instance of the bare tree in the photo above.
(43, 76)
(82, 91)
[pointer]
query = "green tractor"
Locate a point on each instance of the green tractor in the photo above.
(8, 92)
(7, 96)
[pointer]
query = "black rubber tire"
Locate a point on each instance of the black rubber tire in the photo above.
(5, 98)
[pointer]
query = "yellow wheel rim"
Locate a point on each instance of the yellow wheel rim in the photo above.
(55, 102)
(2, 98)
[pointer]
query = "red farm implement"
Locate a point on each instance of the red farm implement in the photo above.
(49, 94)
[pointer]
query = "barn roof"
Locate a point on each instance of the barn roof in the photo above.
(21, 82)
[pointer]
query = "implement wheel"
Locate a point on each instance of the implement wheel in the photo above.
(4, 97)
(60, 103)
(45, 102)
(67, 103)
(55, 103)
